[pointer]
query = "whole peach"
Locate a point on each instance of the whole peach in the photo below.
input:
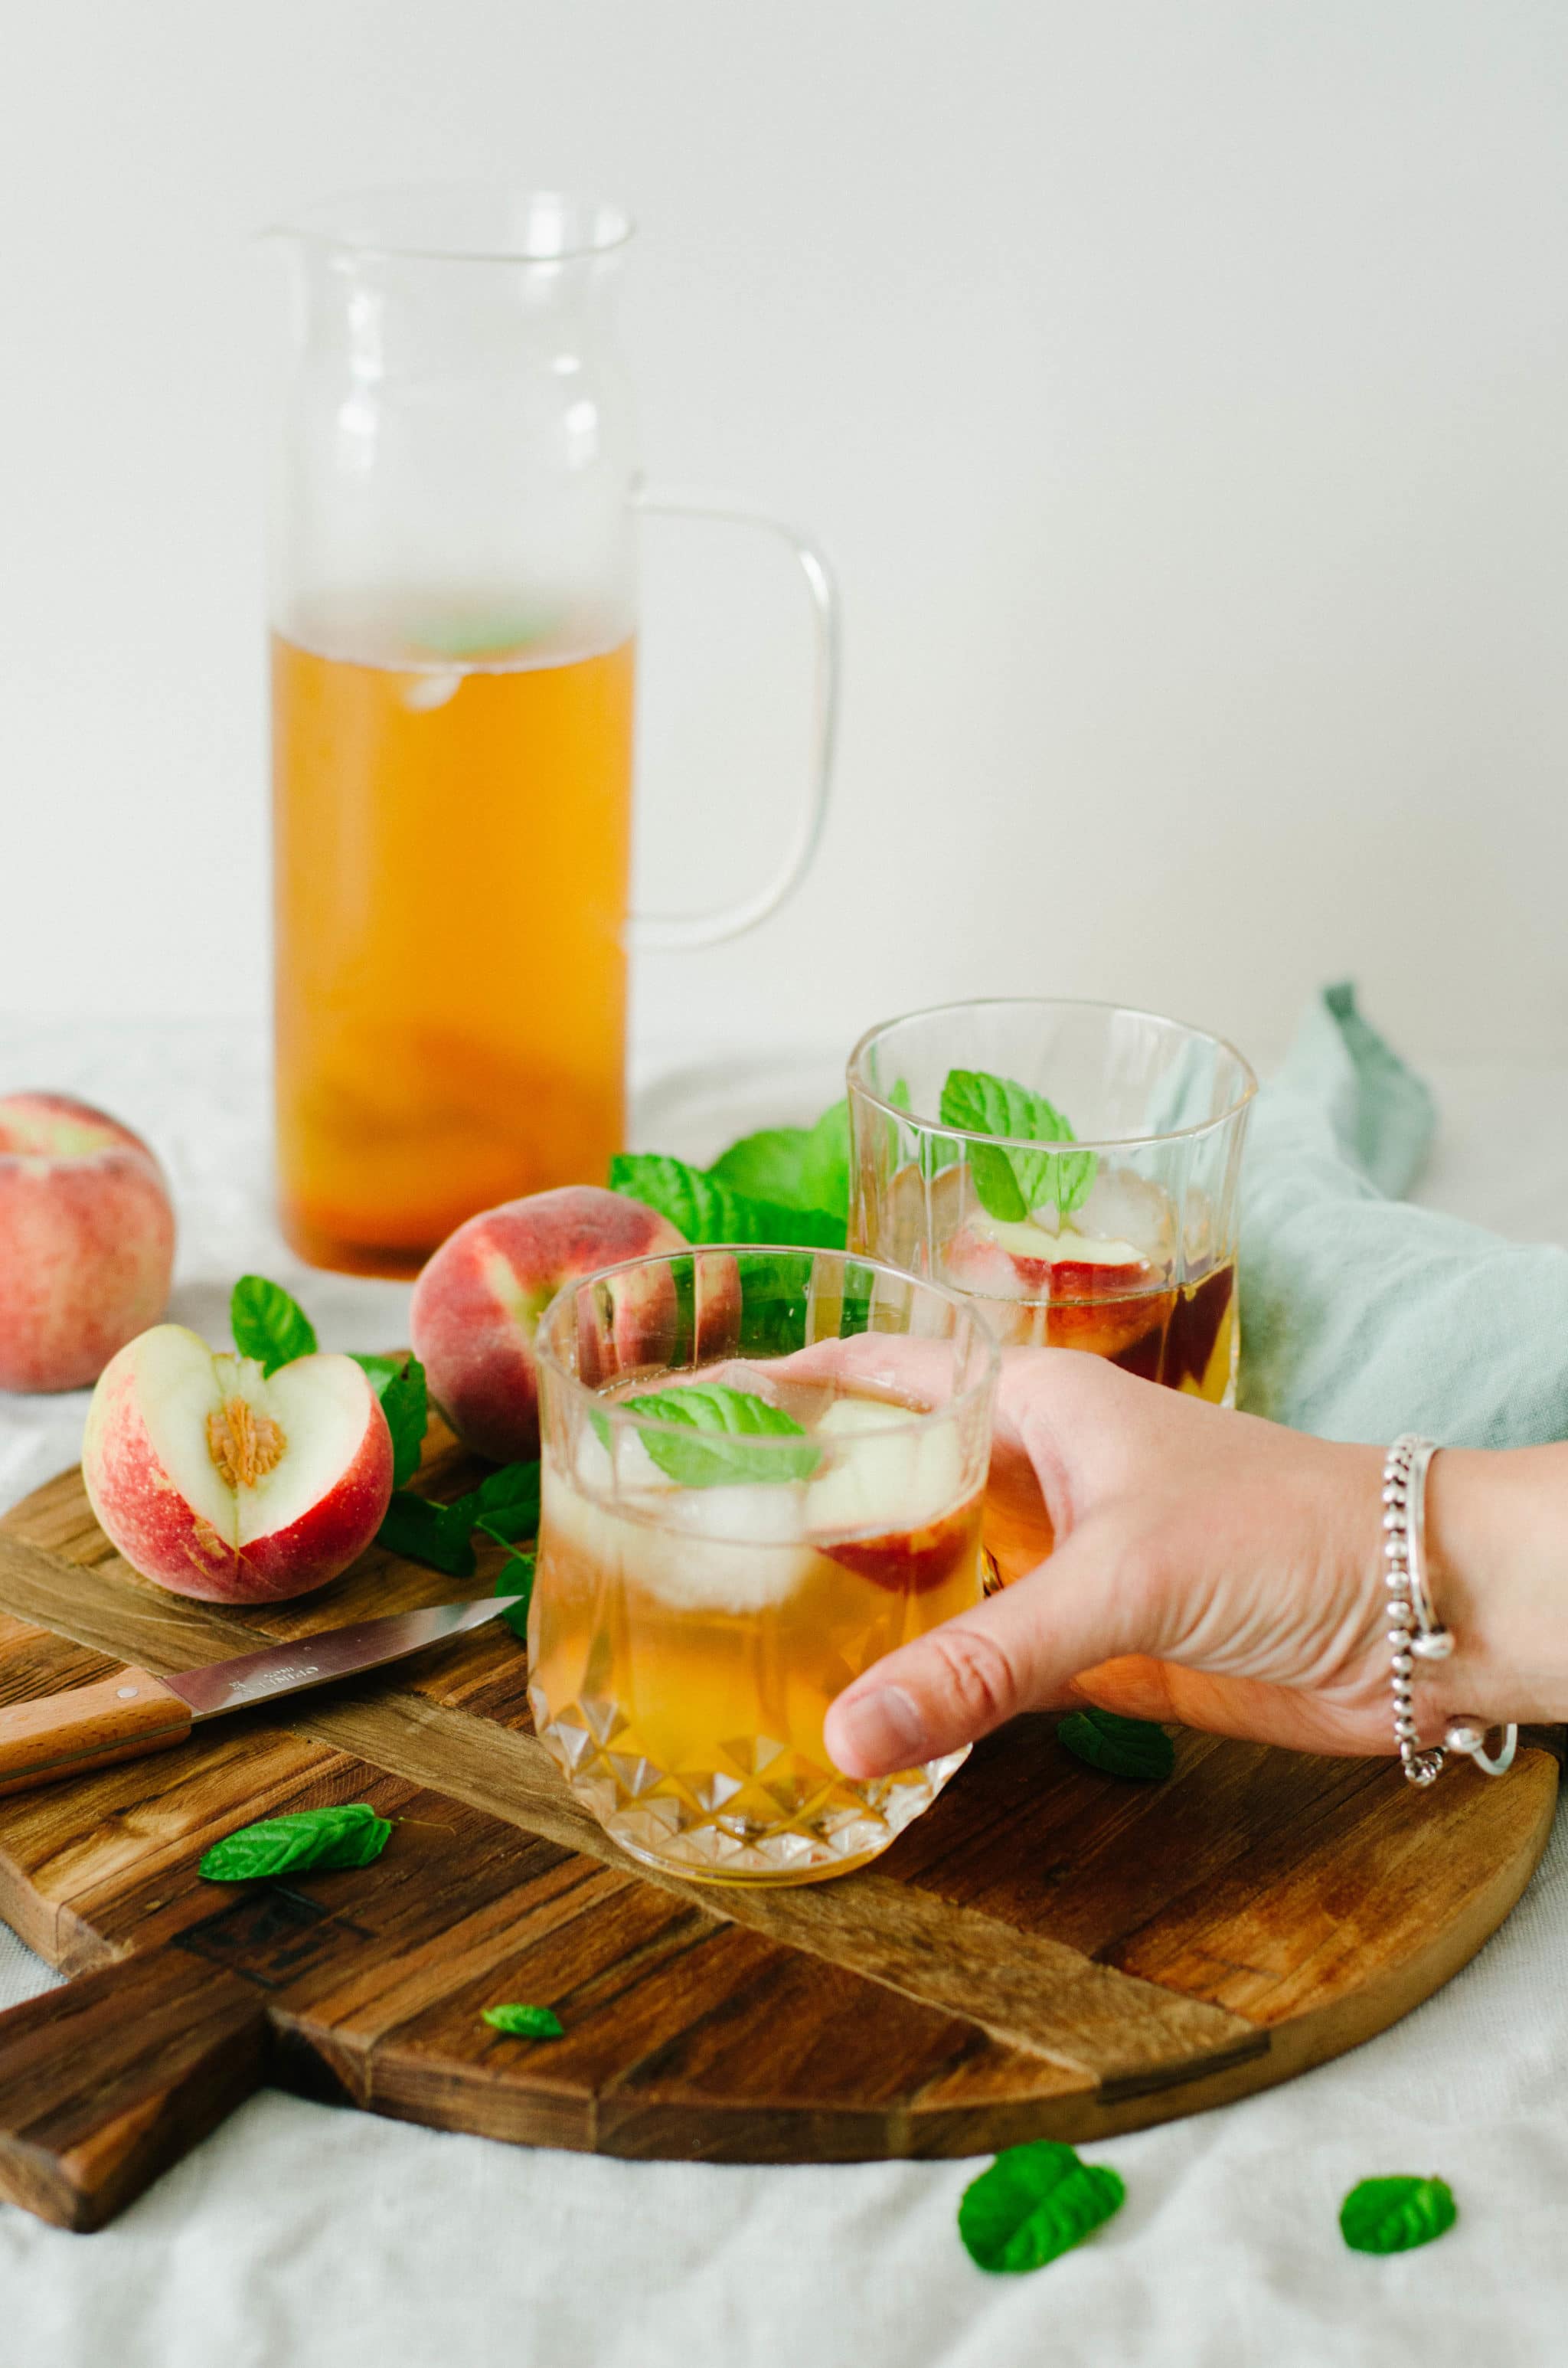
(86, 1241)
(477, 1305)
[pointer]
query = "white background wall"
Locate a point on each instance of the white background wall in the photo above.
(1182, 389)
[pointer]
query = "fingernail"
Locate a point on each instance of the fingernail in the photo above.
(877, 1732)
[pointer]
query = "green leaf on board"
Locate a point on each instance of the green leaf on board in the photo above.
(707, 1210)
(267, 1324)
(525, 2022)
(399, 1383)
(516, 1576)
(1118, 1746)
(298, 1843)
(1035, 2202)
(722, 1422)
(437, 1534)
(1392, 2215)
(1012, 1182)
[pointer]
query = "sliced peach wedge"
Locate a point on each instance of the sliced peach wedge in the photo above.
(218, 1481)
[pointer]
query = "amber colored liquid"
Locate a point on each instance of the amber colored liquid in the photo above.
(1185, 1337)
(452, 846)
(672, 1711)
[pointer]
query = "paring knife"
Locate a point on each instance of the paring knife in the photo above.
(132, 1712)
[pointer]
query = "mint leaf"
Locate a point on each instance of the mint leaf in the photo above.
(705, 1209)
(268, 1325)
(1035, 2201)
(525, 2022)
(1118, 1746)
(516, 1577)
(292, 1844)
(795, 1167)
(722, 1420)
(505, 1504)
(1392, 2215)
(399, 1383)
(437, 1534)
(1013, 1183)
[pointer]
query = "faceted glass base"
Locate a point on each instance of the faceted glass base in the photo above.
(767, 1814)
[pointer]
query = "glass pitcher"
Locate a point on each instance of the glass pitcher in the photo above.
(453, 609)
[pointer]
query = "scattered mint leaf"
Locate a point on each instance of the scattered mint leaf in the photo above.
(437, 1534)
(707, 1210)
(721, 1421)
(298, 1842)
(268, 1325)
(1035, 2201)
(1392, 2215)
(525, 2022)
(399, 1383)
(824, 1170)
(516, 1577)
(506, 1503)
(1118, 1746)
(1011, 1183)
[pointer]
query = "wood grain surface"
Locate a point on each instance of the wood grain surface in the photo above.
(1047, 1952)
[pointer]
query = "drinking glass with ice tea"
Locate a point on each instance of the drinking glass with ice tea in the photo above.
(762, 1470)
(1073, 1169)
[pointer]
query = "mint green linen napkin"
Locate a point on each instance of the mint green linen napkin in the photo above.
(1362, 1316)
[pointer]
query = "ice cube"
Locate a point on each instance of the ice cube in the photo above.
(881, 1480)
(1127, 1207)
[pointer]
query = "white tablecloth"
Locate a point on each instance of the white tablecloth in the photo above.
(299, 2235)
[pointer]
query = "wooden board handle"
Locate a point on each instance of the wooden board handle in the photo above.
(107, 2082)
(70, 1734)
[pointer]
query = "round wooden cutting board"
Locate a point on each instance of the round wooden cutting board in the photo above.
(1048, 1952)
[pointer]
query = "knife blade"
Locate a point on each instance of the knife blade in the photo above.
(132, 1711)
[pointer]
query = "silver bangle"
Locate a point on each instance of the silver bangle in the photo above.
(1415, 1630)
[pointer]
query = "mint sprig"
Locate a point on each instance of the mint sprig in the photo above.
(267, 1324)
(1394, 2216)
(1034, 2203)
(706, 1210)
(1012, 1182)
(800, 1168)
(297, 1842)
(505, 1506)
(1118, 1746)
(721, 1421)
(399, 1383)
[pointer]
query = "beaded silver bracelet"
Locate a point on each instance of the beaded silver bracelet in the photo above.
(1414, 1632)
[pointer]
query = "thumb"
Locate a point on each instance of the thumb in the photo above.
(1016, 1651)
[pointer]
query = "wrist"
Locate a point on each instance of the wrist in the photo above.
(1495, 1570)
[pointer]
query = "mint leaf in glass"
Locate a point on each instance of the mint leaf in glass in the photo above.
(1118, 1746)
(399, 1383)
(722, 1422)
(1011, 1183)
(267, 1324)
(706, 1210)
(525, 2022)
(1392, 2215)
(298, 1842)
(1035, 2202)
(437, 1534)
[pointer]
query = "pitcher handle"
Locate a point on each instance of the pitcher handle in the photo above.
(671, 932)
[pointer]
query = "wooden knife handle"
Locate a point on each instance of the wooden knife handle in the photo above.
(74, 1734)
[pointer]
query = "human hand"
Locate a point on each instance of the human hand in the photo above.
(1201, 1566)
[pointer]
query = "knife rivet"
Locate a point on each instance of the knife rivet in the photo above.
(125, 1693)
